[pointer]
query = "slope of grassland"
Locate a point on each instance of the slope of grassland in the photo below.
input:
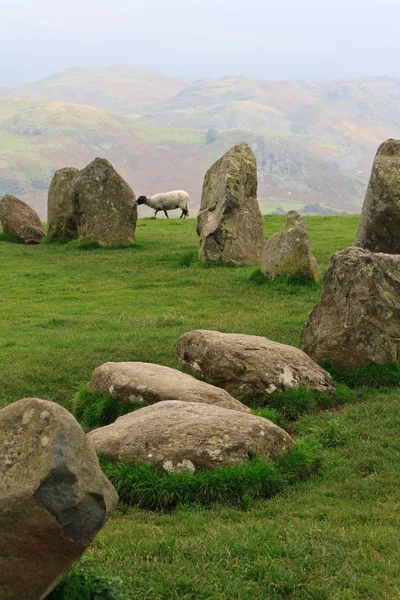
(65, 309)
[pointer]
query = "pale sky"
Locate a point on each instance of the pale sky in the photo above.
(263, 39)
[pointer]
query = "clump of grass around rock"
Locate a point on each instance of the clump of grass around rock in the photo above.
(372, 376)
(282, 283)
(146, 487)
(97, 410)
(13, 239)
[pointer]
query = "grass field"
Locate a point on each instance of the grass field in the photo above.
(66, 309)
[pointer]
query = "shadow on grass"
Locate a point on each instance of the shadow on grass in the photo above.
(12, 239)
(282, 283)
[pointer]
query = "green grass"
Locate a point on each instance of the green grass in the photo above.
(330, 536)
(95, 410)
(373, 376)
(146, 487)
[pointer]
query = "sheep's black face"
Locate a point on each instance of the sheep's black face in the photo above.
(141, 200)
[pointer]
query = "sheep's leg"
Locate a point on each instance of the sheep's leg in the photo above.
(183, 212)
(166, 214)
(155, 214)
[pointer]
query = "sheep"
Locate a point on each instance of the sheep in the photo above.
(167, 201)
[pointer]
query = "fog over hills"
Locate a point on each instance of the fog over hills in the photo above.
(314, 140)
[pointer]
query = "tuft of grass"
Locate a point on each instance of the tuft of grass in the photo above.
(372, 376)
(95, 410)
(295, 402)
(53, 241)
(272, 414)
(12, 239)
(147, 487)
(188, 259)
(87, 581)
(282, 283)
(85, 246)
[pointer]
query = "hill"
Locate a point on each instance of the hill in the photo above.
(314, 141)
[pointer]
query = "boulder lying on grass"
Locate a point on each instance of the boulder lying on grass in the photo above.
(229, 222)
(53, 497)
(288, 252)
(104, 205)
(249, 366)
(147, 383)
(379, 227)
(188, 435)
(61, 220)
(357, 320)
(20, 220)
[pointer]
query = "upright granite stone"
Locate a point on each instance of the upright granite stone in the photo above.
(229, 222)
(104, 205)
(357, 320)
(249, 366)
(288, 252)
(20, 220)
(379, 227)
(53, 497)
(61, 221)
(188, 436)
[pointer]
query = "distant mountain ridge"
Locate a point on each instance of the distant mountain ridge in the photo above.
(314, 140)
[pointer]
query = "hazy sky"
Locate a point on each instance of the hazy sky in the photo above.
(264, 39)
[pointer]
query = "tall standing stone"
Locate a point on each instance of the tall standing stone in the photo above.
(104, 205)
(229, 222)
(357, 320)
(379, 227)
(53, 497)
(20, 220)
(289, 253)
(61, 221)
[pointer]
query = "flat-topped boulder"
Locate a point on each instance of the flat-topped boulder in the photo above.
(379, 226)
(357, 320)
(229, 222)
(189, 436)
(289, 253)
(61, 220)
(53, 497)
(248, 366)
(104, 205)
(147, 383)
(20, 220)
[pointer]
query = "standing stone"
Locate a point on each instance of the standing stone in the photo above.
(229, 222)
(357, 320)
(104, 205)
(249, 366)
(379, 227)
(20, 220)
(61, 222)
(53, 497)
(188, 436)
(288, 252)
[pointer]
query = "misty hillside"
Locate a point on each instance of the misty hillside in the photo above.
(314, 141)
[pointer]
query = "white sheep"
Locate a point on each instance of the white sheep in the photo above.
(167, 201)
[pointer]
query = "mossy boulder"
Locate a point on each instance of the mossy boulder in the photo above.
(104, 205)
(357, 320)
(20, 220)
(229, 222)
(61, 220)
(379, 227)
(289, 253)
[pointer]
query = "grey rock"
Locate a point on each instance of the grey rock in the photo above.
(61, 221)
(19, 219)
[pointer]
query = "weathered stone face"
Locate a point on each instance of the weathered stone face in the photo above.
(104, 205)
(19, 219)
(187, 435)
(147, 383)
(379, 227)
(288, 252)
(229, 222)
(61, 222)
(357, 320)
(249, 366)
(53, 497)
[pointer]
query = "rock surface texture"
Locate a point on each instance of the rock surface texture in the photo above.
(19, 219)
(289, 253)
(229, 222)
(379, 227)
(357, 320)
(104, 205)
(147, 383)
(61, 221)
(53, 497)
(249, 366)
(188, 435)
